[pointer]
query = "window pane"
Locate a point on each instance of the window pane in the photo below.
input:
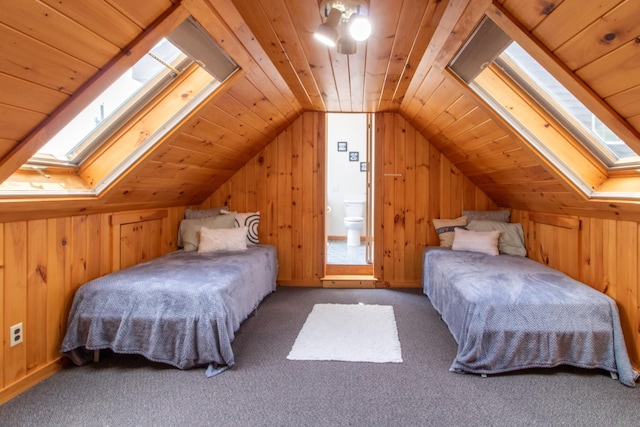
(113, 102)
(582, 116)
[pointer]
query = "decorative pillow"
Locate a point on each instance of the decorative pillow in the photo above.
(485, 242)
(251, 220)
(445, 227)
(511, 240)
(222, 239)
(190, 228)
(502, 215)
(202, 213)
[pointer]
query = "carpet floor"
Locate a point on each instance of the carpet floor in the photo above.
(266, 389)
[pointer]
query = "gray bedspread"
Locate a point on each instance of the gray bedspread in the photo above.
(509, 313)
(182, 309)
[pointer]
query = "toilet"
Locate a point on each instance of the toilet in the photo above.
(353, 220)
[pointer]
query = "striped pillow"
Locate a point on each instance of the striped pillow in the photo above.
(445, 227)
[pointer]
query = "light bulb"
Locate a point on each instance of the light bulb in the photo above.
(359, 27)
(327, 33)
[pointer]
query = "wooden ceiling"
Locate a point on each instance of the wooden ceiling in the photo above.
(52, 52)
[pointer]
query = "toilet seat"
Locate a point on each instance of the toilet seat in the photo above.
(353, 219)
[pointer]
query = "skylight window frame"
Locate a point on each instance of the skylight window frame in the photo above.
(487, 41)
(545, 100)
(138, 138)
(137, 102)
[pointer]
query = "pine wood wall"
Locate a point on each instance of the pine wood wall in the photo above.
(286, 183)
(42, 264)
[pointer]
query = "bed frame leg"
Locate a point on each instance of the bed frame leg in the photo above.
(96, 356)
(614, 375)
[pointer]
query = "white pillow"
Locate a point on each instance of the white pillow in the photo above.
(222, 239)
(485, 242)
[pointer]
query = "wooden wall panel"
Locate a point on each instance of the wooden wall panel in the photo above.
(15, 298)
(418, 184)
(285, 184)
(42, 264)
(414, 184)
(602, 253)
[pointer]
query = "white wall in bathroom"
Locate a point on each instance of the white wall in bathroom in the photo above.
(345, 181)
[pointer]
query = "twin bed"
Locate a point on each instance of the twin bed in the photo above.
(508, 313)
(182, 309)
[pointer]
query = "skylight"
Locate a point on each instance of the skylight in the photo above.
(118, 102)
(128, 120)
(187, 46)
(572, 113)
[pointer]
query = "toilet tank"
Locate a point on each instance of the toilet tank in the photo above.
(354, 208)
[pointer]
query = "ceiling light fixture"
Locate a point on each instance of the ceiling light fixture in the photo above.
(346, 23)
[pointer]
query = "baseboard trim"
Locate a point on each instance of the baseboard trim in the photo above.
(30, 380)
(349, 281)
(301, 283)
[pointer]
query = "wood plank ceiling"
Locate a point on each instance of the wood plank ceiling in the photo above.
(51, 50)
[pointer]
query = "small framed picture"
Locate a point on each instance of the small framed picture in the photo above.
(342, 145)
(354, 156)
(363, 166)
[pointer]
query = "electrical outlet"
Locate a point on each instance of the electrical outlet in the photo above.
(16, 334)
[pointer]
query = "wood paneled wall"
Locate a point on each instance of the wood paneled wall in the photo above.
(44, 261)
(414, 183)
(285, 182)
(603, 253)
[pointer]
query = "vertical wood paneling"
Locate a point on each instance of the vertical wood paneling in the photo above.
(284, 183)
(139, 242)
(297, 210)
(388, 200)
(412, 258)
(284, 143)
(609, 261)
(58, 274)
(15, 298)
(42, 263)
(2, 321)
(627, 295)
(37, 288)
(419, 184)
(317, 128)
(399, 206)
(308, 180)
(422, 197)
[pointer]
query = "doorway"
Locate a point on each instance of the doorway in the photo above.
(349, 196)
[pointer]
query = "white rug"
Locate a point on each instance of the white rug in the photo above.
(349, 332)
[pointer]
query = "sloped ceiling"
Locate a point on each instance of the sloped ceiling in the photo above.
(50, 51)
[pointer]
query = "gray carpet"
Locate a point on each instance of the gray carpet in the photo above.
(266, 389)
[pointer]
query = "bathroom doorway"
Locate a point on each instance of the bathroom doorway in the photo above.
(349, 207)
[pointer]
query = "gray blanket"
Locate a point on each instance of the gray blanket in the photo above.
(509, 313)
(182, 309)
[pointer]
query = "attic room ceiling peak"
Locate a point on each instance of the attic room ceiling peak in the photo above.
(374, 78)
